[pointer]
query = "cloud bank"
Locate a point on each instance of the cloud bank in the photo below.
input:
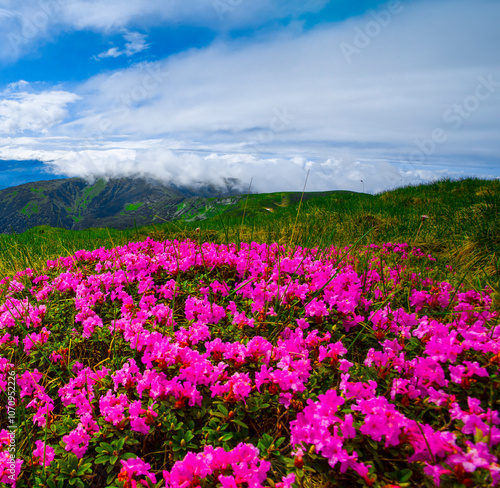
(186, 168)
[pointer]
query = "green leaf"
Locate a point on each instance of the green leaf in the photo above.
(279, 441)
(219, 415)
(120, 443)
(265, 442)
(222, 409)
(129, 455)
(102, 459)
(104, 446)
(84, 468)
(110, 478)
(404, 475)
(240, 423)
(73, 461)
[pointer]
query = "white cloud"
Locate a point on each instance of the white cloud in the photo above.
(38, 112)
(112, 52)
(267, 175)
(136, 42)
(16, 87)
(114, 14)
(5, 13)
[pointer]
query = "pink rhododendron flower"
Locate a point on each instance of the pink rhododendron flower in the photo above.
(134, 468)
(77, 441)
(43, 452)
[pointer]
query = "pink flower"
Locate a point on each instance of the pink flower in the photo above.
(77, 441)
(346, 427)
(134, 468)
(477, 456)
(286, 481)
(77, 367)
(331, 351)
(43, 451)
(316, 308)
(357, 389)
(113, 408)
(436, 472)
(9, 470)
(302, 323)
(243, 460)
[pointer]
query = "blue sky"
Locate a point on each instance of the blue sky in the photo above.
(389, 93)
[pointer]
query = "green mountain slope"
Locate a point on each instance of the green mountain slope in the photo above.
(117, 203)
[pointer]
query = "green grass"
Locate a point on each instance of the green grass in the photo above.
(131, 207)
(30, 208)
(210, 210)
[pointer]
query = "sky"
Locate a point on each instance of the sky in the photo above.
(364, 96)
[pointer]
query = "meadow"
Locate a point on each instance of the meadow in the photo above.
(344, 339)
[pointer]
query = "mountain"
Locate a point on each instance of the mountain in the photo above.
(74, 203)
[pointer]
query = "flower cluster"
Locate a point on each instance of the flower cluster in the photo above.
(230, 468)
(178, 355)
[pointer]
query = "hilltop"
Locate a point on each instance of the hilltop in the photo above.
(76, 204)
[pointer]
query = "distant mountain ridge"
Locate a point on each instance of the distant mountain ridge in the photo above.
(74, 203)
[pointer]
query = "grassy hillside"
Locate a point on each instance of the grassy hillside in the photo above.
(462, 227)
